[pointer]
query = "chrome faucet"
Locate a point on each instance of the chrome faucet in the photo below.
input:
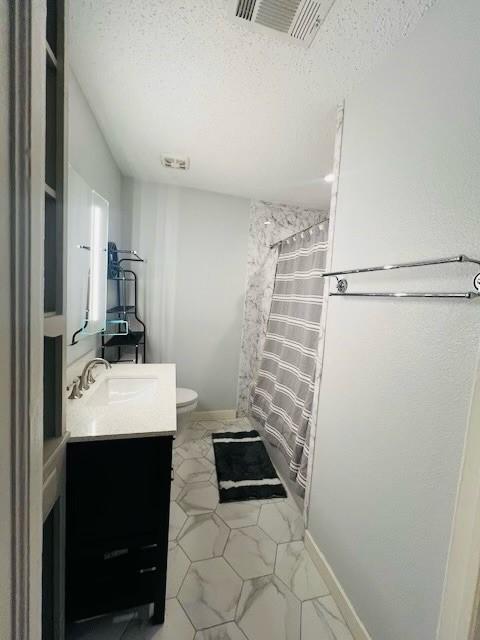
(86, 379)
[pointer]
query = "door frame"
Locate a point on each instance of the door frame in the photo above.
(27, 126)
(332, 214)
(461, 593)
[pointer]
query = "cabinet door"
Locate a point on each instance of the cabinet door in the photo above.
(118, 499)
(118, 489)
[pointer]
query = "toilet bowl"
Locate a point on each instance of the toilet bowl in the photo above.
(187, 400)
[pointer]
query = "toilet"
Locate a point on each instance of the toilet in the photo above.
(187, 400)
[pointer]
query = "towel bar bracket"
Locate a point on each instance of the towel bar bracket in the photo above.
(476, 282)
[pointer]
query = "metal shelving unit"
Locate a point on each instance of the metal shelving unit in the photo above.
(125, 312)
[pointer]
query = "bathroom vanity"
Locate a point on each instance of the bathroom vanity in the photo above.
(119, 460)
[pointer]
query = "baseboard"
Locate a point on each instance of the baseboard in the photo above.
(222, 414)
(350, 615)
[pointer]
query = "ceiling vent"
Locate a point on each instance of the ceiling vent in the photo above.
(299, 20)
(175, 162)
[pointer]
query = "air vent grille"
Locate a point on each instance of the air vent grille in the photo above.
(175, 162)
(306, 20)
(245, 9)
(277, 14)
(296, 19)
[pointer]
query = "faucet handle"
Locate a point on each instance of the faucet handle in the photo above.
(75, 387)
(90, 378)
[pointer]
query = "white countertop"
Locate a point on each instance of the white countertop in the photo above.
(126, 401)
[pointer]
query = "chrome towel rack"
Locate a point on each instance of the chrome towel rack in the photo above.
(342, 283)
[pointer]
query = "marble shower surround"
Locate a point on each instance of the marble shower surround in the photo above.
(284, 220)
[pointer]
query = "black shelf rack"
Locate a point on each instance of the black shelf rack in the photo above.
(135, 338)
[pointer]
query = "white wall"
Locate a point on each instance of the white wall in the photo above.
(5, 333)
(91, 157)
(193, 285)
(398, 374)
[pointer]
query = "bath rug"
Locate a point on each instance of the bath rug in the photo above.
(244, 469)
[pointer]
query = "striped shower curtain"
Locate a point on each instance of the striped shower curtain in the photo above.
(283, 396)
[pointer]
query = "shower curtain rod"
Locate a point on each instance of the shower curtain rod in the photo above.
(297, 232)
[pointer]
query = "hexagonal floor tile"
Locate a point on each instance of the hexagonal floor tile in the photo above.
(238, 514)
(204, 536)
(210, 593)
(295, 567)
(268, 610)
(195, 470)
(228, 631)
(211, 426)
(321, 620)
(282, 521)
(239, 424)
(201, 497)
(176, 486)
(197, 430)
(177, 520)
(181, 437)
(251, 552)
(214, 479)
(176, 626)
(194, 448)
(177, 458)
(188, 433)
(177, 567)
(209, 455)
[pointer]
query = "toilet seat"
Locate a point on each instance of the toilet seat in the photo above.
(186, 397)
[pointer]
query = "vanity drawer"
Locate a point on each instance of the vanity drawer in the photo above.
(112, 560)
(114, 576)
(94, 595)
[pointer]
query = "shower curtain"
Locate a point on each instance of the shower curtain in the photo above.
(283, 396)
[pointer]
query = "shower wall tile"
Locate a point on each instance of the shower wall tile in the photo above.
(282, 221)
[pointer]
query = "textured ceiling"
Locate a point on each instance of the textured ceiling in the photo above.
(256, 114)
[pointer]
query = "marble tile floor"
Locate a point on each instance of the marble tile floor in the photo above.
(236, 571)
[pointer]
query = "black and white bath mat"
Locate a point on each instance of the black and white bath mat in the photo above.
(244, 470)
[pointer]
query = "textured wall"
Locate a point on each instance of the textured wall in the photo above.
(398, 374)
(284, 220)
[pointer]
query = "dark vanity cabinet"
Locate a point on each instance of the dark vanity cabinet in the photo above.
(118, 498)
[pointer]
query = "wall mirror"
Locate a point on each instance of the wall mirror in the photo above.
(87, 258)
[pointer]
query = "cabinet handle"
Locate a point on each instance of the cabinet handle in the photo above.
(149, 546)
(149, 570)
(116, 553)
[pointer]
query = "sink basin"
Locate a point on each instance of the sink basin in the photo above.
(114, 391)
(127, 401)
